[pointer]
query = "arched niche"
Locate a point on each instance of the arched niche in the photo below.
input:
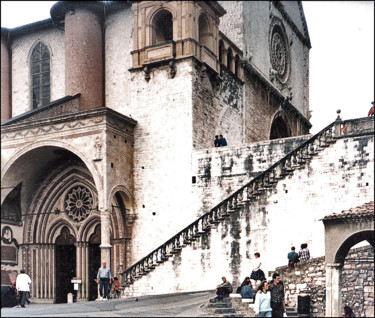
(162, 27)
(205, 35)
(279, 127)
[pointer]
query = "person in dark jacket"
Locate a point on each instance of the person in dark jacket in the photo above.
(217, 141)
(223, 141)
(293, 257)
(247, 291)
(224, 289)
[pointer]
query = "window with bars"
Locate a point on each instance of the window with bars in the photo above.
(40, 74)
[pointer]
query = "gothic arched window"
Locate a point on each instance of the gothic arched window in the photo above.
(162, 26)
(40, 75)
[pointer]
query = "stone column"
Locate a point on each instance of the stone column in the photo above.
(333, 290)
(6, 108)
(105, 218)
(78, 246)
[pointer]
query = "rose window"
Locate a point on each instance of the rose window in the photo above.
(279, 51)
(78, 203)
(279, 54)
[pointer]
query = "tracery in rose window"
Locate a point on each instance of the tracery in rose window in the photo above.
(78, 203)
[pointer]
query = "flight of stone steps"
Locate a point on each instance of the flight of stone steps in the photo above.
(236, 306)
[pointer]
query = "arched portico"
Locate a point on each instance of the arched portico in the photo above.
(342, 231)
(279, 126)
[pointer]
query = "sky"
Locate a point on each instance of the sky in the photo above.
(341, 57)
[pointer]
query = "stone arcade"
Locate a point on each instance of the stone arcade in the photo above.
(108, 115)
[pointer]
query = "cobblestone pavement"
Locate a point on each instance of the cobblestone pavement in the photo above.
(172, 305)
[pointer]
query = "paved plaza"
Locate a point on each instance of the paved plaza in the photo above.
(172, 305)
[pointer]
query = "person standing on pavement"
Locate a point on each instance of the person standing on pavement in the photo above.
(23, 282)
(276, 287)
(262, 305)
(103, 277)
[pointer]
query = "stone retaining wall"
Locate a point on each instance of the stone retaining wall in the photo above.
(357, 282)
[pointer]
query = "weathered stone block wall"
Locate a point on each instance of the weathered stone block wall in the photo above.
(21, 79)
(221, 171)
(217, 110)
(162, 155)
(274, 222)
(357, 282)
(231, 23)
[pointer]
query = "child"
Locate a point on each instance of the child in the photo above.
(116, 287)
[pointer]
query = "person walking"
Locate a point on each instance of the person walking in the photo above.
(262, 305)
(293, 257)
(23, 282)
(277, 296)
(116, 287)
(103, 277)
(257, 273)
(304, 253)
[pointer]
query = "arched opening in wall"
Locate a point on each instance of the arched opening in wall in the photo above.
(279, 129)
(57, 189)
(65, 257)
(205, 36)
(230, 65)
(357, 280)
(356, 254)
(221, 51)
(162, 27)
(237, 65)
(94, 262)
(122, 219)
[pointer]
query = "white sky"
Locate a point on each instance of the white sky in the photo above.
(341, 58)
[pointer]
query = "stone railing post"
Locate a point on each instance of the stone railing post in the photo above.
(337, 129)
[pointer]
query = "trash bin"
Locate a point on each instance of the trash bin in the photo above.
(70, 298)
(303, 307)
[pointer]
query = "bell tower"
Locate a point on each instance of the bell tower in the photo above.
(169, 30)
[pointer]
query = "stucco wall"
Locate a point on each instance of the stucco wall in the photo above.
(21, 79)
(118, 45)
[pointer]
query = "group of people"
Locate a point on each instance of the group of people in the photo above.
(269, 296)
(105, 281)
(294, 257)
(269, 300)
(220, 142)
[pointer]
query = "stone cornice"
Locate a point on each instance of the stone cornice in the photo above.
(304, 39)
(88, 118)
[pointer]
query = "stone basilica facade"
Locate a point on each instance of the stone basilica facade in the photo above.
(108, 112)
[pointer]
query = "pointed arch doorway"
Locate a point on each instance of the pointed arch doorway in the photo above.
(94, 262)
(65, 264)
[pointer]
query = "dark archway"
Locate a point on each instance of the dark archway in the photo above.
(279, 129)
(94, 262)
(65, 265)
(162, 25)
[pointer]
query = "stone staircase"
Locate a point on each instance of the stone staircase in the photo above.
(251, 191)
(232, 306)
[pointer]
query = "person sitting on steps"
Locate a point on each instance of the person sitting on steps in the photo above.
(224, 289)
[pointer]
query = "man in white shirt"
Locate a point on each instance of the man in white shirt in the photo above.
(23, 282)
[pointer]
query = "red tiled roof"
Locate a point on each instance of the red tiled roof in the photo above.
(362, 211)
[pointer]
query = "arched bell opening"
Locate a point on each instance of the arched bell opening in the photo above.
(162, 27)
